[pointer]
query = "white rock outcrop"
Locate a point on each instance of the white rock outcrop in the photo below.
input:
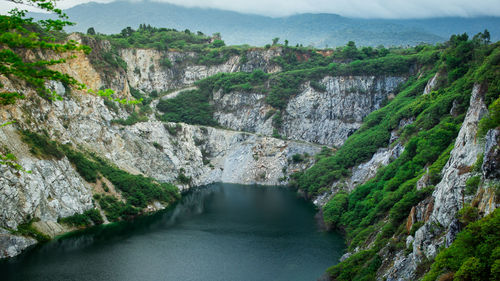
(448, 197)
(327, 117)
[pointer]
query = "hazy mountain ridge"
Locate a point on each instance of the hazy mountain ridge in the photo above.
(307, 29)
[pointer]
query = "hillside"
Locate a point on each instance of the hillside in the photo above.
(307, 29)
(398, 148)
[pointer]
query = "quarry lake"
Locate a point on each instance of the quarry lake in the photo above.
(217, 232)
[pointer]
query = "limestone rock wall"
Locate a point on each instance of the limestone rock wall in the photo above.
(147, 71)
(438, 213)
(319, 117)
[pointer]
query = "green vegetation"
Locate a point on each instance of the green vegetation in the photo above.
(116, 210)
(87, 218)
(165, 62)
(300, 65)
(472, 184)
(332, 211)
(474, 255)
(27, 229)
(467, 214)
(173, 129)
(492, 120)
(297, 158)
(375, 212)
(136, 189)
(209, 50)
(20, 33)
(182, 178)
(432, 121)
(41, 146)
(190, 107)
(133, 118)
(142, 101)
(147, 36)
(193, 106)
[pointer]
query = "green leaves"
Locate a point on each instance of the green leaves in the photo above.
(491, 120)
(474, 255)
(19, 34)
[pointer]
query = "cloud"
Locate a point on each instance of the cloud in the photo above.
(354, 8)
(349, 8)
(6, 5)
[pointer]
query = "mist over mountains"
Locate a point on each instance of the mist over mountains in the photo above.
(318, 30)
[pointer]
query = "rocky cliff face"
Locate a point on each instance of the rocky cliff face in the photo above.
(361, 173)
(323, 117)
(53, 189)
(439, 212)
(147, 70)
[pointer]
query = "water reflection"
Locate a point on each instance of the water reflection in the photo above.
(219, 232)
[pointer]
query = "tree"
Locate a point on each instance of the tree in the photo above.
(18, 34)
(486, 36)
(350, 51)
(286, 43)
(127, 32)
(216, 36)
(218, 43)
(275, 40)
(91, 31)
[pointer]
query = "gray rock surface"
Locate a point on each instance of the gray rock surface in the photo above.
(441, 227)
(319, 117)
(491, 160)
(146, 72)
(12, 245)
(330, 117)
(432, 83)
(52, 189)
(361, 173)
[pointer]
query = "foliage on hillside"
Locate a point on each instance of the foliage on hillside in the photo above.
(147, 36)
(209, 50)
(474, 255)
(189, 107)
(300, 65)
(377, 209)
(19, 34)
(86, 218)
(136, 189)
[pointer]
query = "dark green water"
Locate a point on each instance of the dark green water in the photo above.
(220, 232)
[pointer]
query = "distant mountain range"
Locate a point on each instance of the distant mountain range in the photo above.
(319, 30)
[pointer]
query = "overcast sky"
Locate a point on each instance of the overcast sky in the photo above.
(349, 8)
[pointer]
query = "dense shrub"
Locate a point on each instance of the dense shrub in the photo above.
(333, 210)
(27, 229)
(472, 184)
(147, 36)
(297, 158)
(87, 218)
(491, 120)
(133, 118)
(116, 210)
(166, 63)
(428, 142)
(474, 254)
(190, 107)
(40, 145)
(136, 189)
(86, 168)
